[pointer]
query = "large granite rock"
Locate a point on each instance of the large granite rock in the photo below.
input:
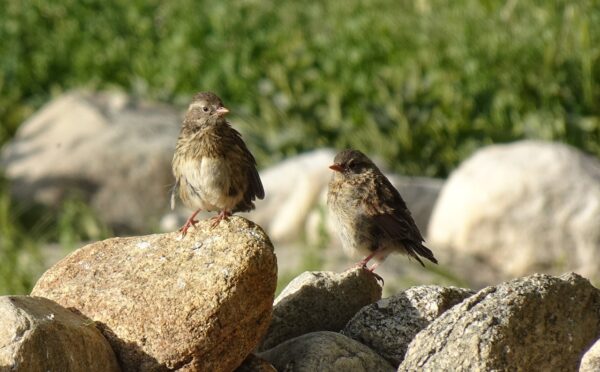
(325, 352)
(390, 324)
(39, 335)
(108, 148)
(320, 301)
(536, 323)
(524, 207)
(199, 303)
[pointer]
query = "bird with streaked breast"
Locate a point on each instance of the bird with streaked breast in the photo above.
(212, 166)
(369, 213)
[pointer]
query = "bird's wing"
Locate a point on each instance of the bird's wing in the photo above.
(255, 189)
(389, 211)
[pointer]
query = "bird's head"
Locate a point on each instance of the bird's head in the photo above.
(351, 162)
(206, 106)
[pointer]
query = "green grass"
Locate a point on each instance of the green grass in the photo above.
(421, 83)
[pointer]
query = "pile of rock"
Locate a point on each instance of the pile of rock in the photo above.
(205, 302)
(539, 322)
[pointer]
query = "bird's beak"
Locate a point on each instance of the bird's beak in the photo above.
(222, 111)
(336, 167)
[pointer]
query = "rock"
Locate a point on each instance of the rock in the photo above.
(524, 207)
(390, 324)
(324, 352)
(38, 335)
(536, 323)
(198, 303)
(106, 147)
(319, 301)
(254, 363)
(591, 359)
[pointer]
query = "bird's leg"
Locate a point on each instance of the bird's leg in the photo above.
(190, 222)
(364, 261)
(374, 266)
(223, 215)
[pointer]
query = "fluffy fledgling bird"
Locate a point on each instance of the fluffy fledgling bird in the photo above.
(213, 168)
(369, 212)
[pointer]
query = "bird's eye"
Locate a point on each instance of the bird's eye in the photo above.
(205, 109)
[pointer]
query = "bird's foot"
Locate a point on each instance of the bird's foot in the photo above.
(377, 276)
(223, 215)
(189, 223)
(363, 265)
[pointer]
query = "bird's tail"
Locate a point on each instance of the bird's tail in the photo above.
(418, 249)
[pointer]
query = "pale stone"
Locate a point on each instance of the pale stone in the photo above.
(524, 207)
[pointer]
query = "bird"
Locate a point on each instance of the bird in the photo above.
(212, 166)
(369, 213)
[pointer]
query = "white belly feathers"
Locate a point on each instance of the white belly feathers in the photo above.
(211, 181)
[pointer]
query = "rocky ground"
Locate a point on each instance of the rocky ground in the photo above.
(205, 302)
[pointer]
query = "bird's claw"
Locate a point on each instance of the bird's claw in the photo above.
(190, 222)
(223, 215)
(363, 265)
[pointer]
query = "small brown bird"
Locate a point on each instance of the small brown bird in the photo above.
(370, 213)
(213, 168)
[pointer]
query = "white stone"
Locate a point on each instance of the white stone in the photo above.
(523, 207)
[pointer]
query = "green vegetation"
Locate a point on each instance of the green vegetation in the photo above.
(420, 83)
(23, 230)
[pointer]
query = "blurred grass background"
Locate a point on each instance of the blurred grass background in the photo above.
(420, 83)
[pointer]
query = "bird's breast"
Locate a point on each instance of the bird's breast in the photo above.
(209, 183)
(353, 226)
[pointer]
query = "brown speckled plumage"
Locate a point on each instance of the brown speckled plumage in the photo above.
(213, 168)
(369, 212)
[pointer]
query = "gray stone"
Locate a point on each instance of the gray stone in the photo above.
(524, 207)
(198, 303)
(390, 324)
(320, 301)
(325, 352)
(536, 323)
(39, 335)
(108, 148)
(591, 359)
